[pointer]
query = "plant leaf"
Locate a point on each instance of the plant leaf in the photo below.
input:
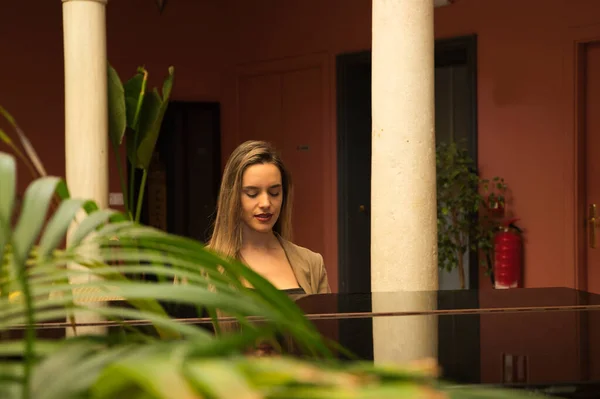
(7, 196)
(135, 91)
(88, 225)
(29, 150)
(151, 119)
(8, 186)
(152, 376)
(35, 206)
(58, 225)
(117, 112)
(84, 360)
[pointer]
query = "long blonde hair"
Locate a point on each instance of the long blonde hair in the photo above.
(227, 233)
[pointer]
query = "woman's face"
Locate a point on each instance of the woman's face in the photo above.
(262, 196)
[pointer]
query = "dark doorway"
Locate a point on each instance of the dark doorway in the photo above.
(184, 177)
(456, 118)
(456, 113)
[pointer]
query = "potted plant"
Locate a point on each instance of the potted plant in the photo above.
(136, 116)
(461, 196)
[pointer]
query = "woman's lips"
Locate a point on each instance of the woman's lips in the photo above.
(263, 217)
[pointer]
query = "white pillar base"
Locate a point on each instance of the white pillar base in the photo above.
(405, 339)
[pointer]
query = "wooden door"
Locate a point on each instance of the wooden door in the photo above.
(285, 108)
(285, 103)
(589, 243)
(591, 88)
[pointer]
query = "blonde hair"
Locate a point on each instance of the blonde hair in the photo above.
(227, 233)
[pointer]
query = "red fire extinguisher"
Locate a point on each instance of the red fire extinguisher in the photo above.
(508, 256)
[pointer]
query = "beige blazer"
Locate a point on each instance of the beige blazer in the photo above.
(308, 268)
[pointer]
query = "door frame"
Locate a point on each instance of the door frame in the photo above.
(576, 184)
(448, 51)
(343, 62)
(576, 204)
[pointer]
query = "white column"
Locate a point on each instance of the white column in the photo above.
(405, 339)
(403, 191)
(86, 108)
(403, 186)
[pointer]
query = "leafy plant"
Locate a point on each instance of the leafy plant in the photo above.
(136, 116)
(176, 359)
(36, 286)
(496, 199)
(461, 224)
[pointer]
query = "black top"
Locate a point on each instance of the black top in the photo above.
(294, 291)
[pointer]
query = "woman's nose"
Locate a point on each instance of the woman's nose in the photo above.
(264, 201)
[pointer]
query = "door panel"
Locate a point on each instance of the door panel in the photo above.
(592, 138)
(302, 150)
(591, 87)
(260, 108)
(285, 107)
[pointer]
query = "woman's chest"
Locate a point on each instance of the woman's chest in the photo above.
(274, 267)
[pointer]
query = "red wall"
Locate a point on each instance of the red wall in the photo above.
(525, 133)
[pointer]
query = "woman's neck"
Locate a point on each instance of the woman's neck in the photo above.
(252, 239)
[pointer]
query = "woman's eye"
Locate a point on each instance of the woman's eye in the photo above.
(274, 194)
(252, 195)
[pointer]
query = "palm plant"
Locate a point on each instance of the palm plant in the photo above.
(177, 359)
(136, 116)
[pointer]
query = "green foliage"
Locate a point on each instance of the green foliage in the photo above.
(496, 187)
(175, 359)
(135, 363)
(137, 116)
(461, 225)
(96, 244)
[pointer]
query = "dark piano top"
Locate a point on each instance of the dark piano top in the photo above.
(535, 338)
(445, 302)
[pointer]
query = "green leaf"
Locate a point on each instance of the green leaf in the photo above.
(117, 112)
(35, 206)
(58, 225)
(8, 186)
(5, 138)
(151, 118)
(218, 379)
(84, 360)
(27, 146)
(7, 196)
(168, 84)
(135, 90)
(152, 377)
(88, 225)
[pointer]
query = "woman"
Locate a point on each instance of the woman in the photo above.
(253, 222)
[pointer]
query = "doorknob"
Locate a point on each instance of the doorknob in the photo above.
(362, 208)
(593, 223)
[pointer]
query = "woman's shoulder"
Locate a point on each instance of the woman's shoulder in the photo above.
(308, 266)
(309, 256)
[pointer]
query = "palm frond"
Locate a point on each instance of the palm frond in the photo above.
(174, 359)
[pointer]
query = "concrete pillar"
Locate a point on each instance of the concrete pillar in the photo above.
(403, 191)
(405, 339)
(86, 107)
(403, 186)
